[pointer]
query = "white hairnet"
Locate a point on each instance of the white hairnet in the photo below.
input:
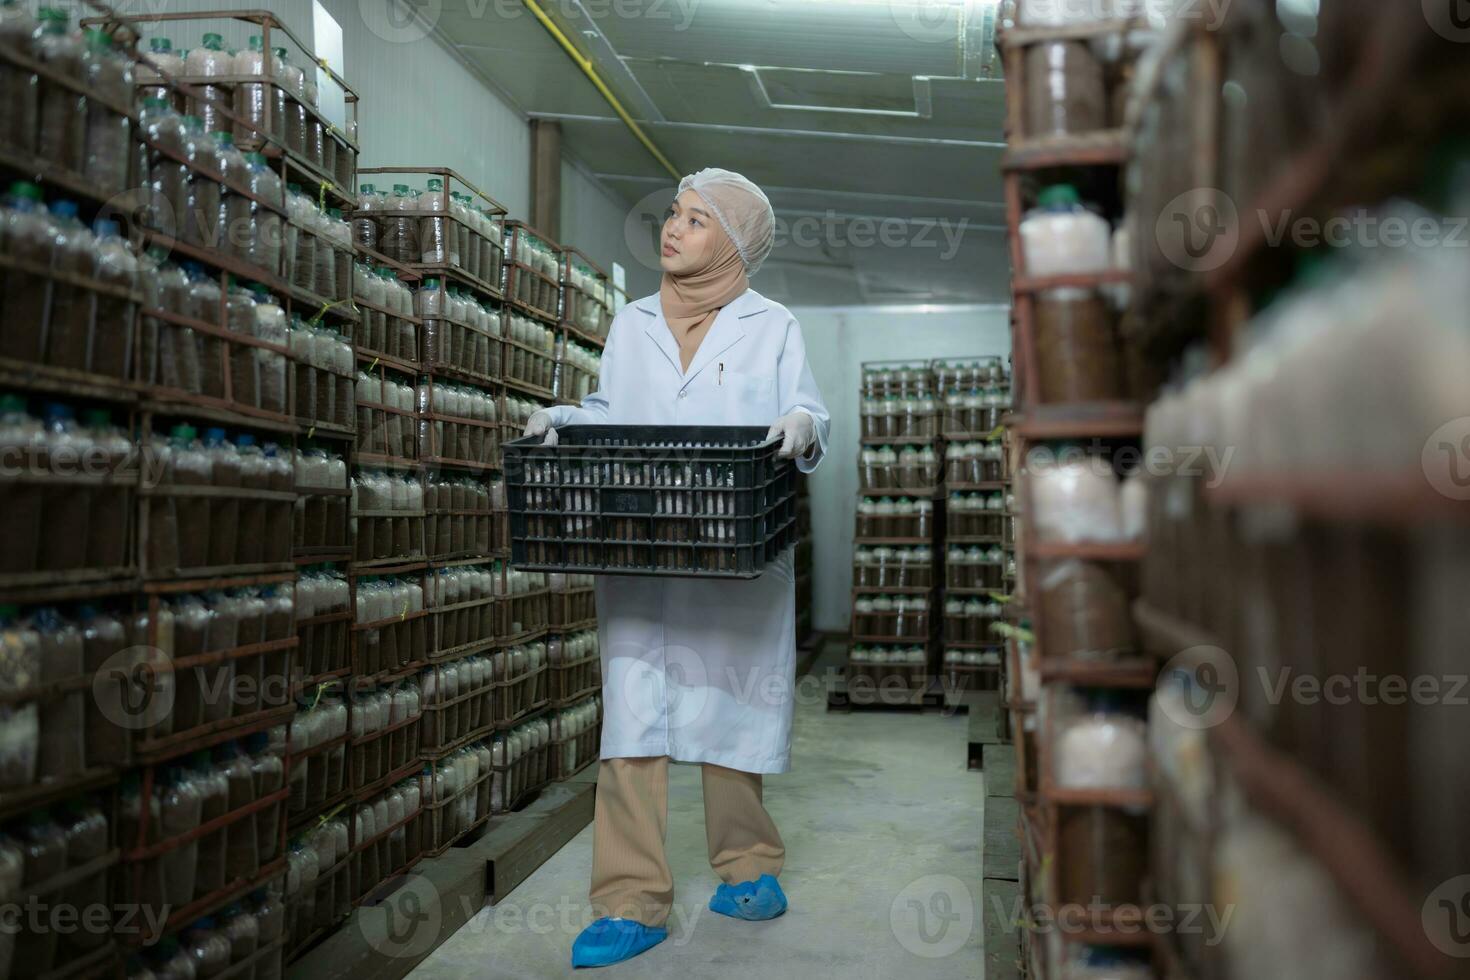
(742, 210)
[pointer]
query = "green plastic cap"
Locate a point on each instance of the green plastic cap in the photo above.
(155, 103)
(9, 610)
(98, 418)
(53, 20)
(431, 283)
(400, 189)
(184, 432)
(26, 189)
(160, 44)
(98, 39)
(12, 405)
(279, 53)
(366, 189)
(1058, 195)
(437, 184)
(223, 138)
(257, 158)
(256, 43)
(193, 124)
(214, 42)
(334, 213)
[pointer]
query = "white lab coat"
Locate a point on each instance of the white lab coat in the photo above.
(702, 671)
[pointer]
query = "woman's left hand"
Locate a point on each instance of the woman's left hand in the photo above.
(798, 432)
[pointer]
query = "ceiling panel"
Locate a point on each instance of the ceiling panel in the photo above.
(965, 110)
(872, 167)
(908, 37)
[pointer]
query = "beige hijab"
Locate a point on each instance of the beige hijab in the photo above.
(693, 300)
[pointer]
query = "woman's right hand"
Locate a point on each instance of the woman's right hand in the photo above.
(540, 424)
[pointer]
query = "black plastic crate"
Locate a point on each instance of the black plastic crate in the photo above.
(690, 501)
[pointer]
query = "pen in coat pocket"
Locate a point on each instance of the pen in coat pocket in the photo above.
(721, 379)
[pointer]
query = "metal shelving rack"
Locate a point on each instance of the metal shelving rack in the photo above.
(139, 407)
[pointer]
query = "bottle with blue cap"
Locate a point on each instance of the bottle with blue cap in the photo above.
(67, 506)
(74, 253)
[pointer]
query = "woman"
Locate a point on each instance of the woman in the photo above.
(696, 671)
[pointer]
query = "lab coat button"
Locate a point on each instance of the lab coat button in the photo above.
(684, 393)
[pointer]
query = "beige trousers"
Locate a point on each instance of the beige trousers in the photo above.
(630, 873)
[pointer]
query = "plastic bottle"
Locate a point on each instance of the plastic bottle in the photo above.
(210, 59)
(295, 115)
(112, 324)
(251, 98)
(180, 803)
(402, 228)
(326, 257)
(160, 58)
(17, 89)
(74, 252)
(105, 162)
(62, 752)
(199, 221)
(364, 222)
(19, 722)
(214, 795)
(303, 265)
(269, 773)
(1061, 237)
(167, 178)
(65, 505)
(270, 916)
(209, 950)
(27, 232)
(62, 111)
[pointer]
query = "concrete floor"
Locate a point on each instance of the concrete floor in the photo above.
(882, 825)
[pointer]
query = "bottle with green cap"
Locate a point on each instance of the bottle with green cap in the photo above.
(161, 59)
(62, 122)
(110, 74)
(210, 60)
(1061, 237)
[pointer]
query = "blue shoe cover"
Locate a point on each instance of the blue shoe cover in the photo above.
(752, 900)
(608, 941)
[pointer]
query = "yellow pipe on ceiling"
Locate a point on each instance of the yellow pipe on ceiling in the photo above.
(590, 70)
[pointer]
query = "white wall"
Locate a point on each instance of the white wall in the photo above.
(838, 341)
(592, 219)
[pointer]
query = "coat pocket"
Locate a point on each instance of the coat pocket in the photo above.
(750, 398)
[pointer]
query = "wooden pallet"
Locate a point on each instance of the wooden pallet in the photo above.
(868, 698)
(987, 723)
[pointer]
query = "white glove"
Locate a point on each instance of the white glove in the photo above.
(540, 424)
(799, 434)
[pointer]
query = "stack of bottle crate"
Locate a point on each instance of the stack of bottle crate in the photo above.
(894, 548)
(976, 395)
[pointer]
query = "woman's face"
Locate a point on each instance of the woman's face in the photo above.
(690, 234)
